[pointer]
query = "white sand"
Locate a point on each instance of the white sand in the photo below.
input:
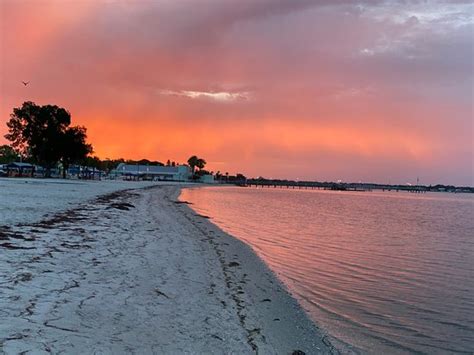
(31, 199)
(110, 278)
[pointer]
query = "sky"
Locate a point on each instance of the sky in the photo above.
(325, 90)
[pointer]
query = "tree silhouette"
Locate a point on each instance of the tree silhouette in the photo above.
(201, 163)
(192, 161)
(7, 154)
(195, 162)
(43, 133)
(73, 147)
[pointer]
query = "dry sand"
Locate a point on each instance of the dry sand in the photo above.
(138, 272)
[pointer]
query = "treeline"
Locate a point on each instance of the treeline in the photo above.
(9, 155)
(43, 135)
(238, 179)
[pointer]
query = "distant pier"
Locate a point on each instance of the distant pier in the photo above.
(312, 185)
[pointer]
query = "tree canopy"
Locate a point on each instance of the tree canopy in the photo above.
(73, 147)
(7, 154)
(44, 134)
(195, 162)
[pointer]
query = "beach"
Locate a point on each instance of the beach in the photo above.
(137, 271)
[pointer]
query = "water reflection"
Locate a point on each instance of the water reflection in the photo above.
(379, 271)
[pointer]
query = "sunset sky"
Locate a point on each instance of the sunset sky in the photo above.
(369, 90)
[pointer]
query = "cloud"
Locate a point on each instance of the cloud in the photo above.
(220, 96)
(342, 79)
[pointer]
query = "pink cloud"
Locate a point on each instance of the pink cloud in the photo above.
(335, 89)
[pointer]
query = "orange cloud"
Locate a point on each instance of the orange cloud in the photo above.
(276, 88)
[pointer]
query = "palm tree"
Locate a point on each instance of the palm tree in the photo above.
(201, 163)
(193, 162)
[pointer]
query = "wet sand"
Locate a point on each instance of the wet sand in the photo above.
(137, 271)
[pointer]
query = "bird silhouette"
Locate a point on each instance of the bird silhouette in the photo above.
(25, 82)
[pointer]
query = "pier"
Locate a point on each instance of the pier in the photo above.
(314, 185)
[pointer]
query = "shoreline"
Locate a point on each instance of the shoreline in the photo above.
(139, 270)
(258, 276)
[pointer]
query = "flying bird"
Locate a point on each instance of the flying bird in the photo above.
(25, 82)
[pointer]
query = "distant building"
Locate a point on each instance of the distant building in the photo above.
(17, 169)
(207, 179)
(84, 172)
(153, 172)
(39, 171)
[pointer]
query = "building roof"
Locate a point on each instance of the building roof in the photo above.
(19, 165)
(146, 169)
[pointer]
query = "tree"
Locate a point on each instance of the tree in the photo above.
(94, 162)
(43, 133)
(240, 177)
(110, 164)
(202, 172)
(143, 162)
(73, 148)
(201, 163)
(7, 154)
(195, 162)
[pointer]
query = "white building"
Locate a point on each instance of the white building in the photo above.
(207, 179)
(153, 172)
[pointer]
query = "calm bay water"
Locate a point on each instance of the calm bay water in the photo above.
(380, 272)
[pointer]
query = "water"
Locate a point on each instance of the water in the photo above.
(379, 271)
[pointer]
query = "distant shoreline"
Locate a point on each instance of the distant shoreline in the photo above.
(351, 186)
